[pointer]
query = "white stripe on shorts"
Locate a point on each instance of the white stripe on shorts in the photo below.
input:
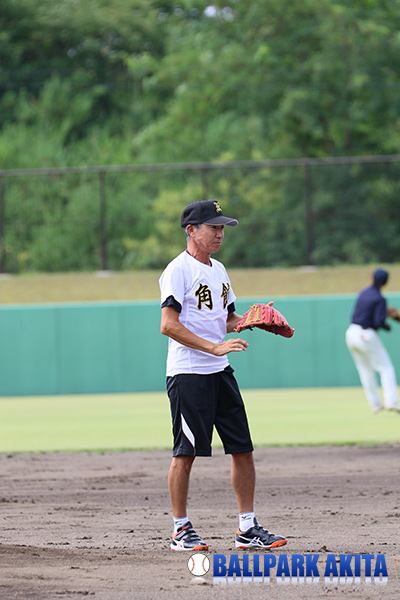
(187, 431)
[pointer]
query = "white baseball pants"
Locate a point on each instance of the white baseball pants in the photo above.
(371, 357)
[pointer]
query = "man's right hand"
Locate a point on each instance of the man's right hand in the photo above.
(231, 345)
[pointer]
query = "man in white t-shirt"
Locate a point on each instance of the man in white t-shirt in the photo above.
(198, 311)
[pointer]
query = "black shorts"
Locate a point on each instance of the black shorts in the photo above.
(198, 402)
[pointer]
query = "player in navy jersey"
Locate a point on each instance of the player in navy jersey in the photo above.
(369, 354)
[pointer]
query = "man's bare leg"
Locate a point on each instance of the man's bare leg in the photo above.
(178, 483)
(243, 477)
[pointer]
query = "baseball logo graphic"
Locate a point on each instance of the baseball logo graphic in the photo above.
(198, 564)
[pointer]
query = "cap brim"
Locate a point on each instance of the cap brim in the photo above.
(222, 221)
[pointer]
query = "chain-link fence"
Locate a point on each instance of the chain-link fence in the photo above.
(292, 212)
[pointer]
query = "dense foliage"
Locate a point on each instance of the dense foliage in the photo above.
(108, 82)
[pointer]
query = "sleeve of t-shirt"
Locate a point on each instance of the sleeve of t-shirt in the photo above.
(170, 301)
(172, 287)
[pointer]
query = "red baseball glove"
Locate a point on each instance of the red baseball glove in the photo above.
(265, 317)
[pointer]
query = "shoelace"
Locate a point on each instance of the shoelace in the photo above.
(262, 531)
(191, 535)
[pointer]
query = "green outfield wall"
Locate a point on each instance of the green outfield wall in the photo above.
(117, 347)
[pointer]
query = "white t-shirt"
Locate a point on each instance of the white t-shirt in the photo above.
(204, 293)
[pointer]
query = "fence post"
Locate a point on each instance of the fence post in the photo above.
(3, 254)
(204, 183)
(103, 223)
(309, 213)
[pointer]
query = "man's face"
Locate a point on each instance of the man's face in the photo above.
(208, 238)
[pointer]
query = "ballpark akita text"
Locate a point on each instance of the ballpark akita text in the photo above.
(368, 568)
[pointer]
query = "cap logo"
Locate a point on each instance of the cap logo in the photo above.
(218, 207)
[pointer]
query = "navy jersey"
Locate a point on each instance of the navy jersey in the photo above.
(370, 309)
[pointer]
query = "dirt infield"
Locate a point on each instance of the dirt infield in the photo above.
(98, 525)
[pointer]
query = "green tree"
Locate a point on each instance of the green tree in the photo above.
(86, 45)
(88, 82)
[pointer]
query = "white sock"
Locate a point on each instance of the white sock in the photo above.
(179, 522)
(246, 520)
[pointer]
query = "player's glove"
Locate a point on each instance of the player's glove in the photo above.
(265, 317)
(393, 313)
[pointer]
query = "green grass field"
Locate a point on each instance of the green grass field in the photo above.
(142, 421)
(143, 285)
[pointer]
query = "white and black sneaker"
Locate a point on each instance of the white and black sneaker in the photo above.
(258, 537)
(186, 539)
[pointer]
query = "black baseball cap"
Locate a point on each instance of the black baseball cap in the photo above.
(205, 211)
